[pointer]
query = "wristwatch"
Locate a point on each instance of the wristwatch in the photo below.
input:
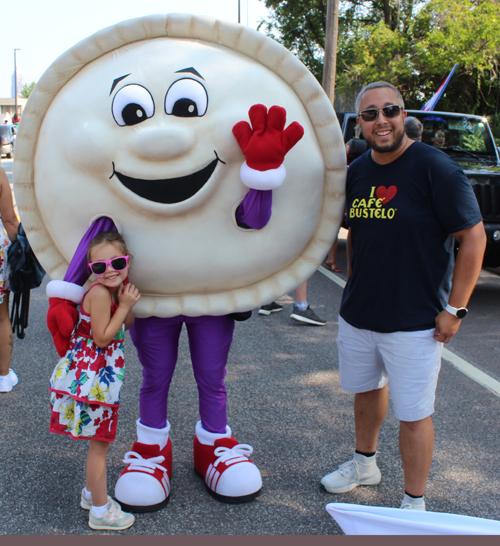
(458, 312)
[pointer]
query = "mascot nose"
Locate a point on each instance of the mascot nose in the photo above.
(159, 143)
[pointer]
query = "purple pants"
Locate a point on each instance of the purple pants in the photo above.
(157, 340)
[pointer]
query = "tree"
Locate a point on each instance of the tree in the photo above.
(468, 33)
(300, 24)
(26, 89)
(410, 43)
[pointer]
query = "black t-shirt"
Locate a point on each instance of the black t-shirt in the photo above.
(401, 217)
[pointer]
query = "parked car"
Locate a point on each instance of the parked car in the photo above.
(469, 141)
(7, 139)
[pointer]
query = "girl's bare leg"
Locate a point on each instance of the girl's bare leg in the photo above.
(96, 472)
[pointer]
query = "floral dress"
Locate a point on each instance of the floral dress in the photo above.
(4, 266)
(85, 385)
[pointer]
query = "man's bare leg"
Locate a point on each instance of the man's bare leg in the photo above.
(416, 444)
(370, 410)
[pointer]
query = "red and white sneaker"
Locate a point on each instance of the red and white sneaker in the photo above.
(225, 466)
(144, 484)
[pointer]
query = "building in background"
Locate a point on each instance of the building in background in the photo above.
(8, 107)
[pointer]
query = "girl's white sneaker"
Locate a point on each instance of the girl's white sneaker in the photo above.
(113, 520)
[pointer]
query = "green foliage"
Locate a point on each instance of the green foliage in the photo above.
(410, 43)
(26, 89)
(474, 142)
(494, 121)
(300, 26)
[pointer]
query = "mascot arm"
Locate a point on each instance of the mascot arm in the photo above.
(254, 211)
(264, 144)
(64, 296)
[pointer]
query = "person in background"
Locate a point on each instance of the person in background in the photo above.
(414, 128)
(439, 139)
(9, 223)
(407, 203)
(331, 259)
(331, 262)
(302, 312)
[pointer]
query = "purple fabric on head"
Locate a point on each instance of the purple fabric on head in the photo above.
(78, 272)
(157, 340)
(255, 209)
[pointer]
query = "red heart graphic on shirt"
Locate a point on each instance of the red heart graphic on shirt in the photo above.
(386, 194)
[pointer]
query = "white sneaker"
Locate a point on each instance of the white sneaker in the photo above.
(113, 520)
(8, 381)
(85, 502)
(413, 504)
(360, 471)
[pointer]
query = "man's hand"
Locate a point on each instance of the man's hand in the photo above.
(465, 274)
(446, 327)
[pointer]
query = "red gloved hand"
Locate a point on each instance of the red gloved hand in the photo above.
(62, 317)
(266, 142)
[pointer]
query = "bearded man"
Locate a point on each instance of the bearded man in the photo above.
(405, 297)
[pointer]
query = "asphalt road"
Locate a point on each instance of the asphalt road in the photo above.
(285, 400)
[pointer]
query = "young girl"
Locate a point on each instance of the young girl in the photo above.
(85, 385)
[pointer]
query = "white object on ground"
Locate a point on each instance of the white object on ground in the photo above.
(355, 519)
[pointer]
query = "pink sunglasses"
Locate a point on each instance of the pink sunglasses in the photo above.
(118, 264)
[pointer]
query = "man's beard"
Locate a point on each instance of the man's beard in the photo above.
(387, 148)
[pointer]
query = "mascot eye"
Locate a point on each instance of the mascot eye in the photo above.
(132, 104)
(186, 98)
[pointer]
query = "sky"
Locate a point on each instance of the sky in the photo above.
(44, 29)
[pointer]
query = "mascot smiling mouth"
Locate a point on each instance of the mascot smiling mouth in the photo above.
(169, 190)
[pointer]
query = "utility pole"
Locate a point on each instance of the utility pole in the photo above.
(331, 35)
(15, 78)
(239, 11)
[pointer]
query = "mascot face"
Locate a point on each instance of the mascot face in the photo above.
(143, 134)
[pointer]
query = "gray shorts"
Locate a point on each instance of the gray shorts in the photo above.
(408, 361)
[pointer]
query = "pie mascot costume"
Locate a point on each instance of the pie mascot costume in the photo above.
(201, 141)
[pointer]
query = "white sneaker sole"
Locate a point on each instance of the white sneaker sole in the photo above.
(415, 508)
(375, 480)
(299, 318)
(266, 312)
(110, 527)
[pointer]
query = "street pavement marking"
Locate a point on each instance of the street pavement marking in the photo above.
(462, 365)
(471, 371)
(331, 275)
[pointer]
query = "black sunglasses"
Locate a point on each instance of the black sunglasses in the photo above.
(118, 264)
(388, 111)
